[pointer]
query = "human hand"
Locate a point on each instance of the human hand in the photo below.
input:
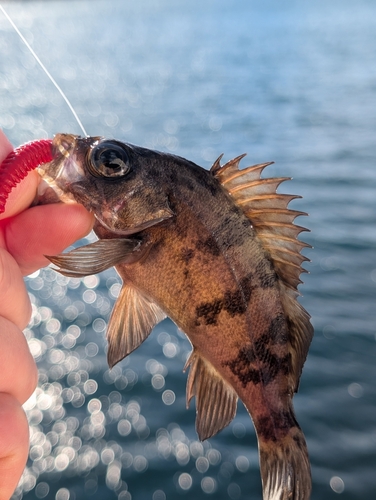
(26, 235)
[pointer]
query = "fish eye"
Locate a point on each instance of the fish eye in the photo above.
(108, 160)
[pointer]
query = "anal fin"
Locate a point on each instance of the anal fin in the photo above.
(133, 317)
(215, 399)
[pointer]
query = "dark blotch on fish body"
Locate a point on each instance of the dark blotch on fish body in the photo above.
(209, 245)
(209, 312)
(271, 365)
(187, 254)
(277, 425)
(234, 302)
(278, 331)
(266, 275)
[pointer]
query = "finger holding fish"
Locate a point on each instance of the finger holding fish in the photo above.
(55, 227)
(16, 385)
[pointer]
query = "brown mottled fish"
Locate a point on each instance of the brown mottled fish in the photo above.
(217, 252)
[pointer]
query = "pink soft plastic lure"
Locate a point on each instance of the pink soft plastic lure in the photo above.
(19, 162)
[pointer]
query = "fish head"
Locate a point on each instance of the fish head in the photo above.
(114, 180)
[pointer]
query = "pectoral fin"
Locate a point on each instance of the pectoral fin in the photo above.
(97, 257)
(215, 399)
(132, 319)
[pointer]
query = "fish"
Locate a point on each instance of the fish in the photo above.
(216, 251)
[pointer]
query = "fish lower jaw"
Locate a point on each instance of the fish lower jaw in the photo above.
(48, 192)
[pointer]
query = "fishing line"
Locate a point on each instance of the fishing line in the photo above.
(45, 70)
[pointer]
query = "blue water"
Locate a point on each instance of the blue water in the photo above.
(293, 82)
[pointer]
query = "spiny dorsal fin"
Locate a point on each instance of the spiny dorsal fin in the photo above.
(215, 399)
(274, 225)
(132, 319)
(269, 213)
(216, 165)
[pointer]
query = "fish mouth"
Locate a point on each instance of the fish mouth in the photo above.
(48, 192)
(65, 169)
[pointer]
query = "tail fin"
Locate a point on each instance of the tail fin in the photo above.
(285, 469)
